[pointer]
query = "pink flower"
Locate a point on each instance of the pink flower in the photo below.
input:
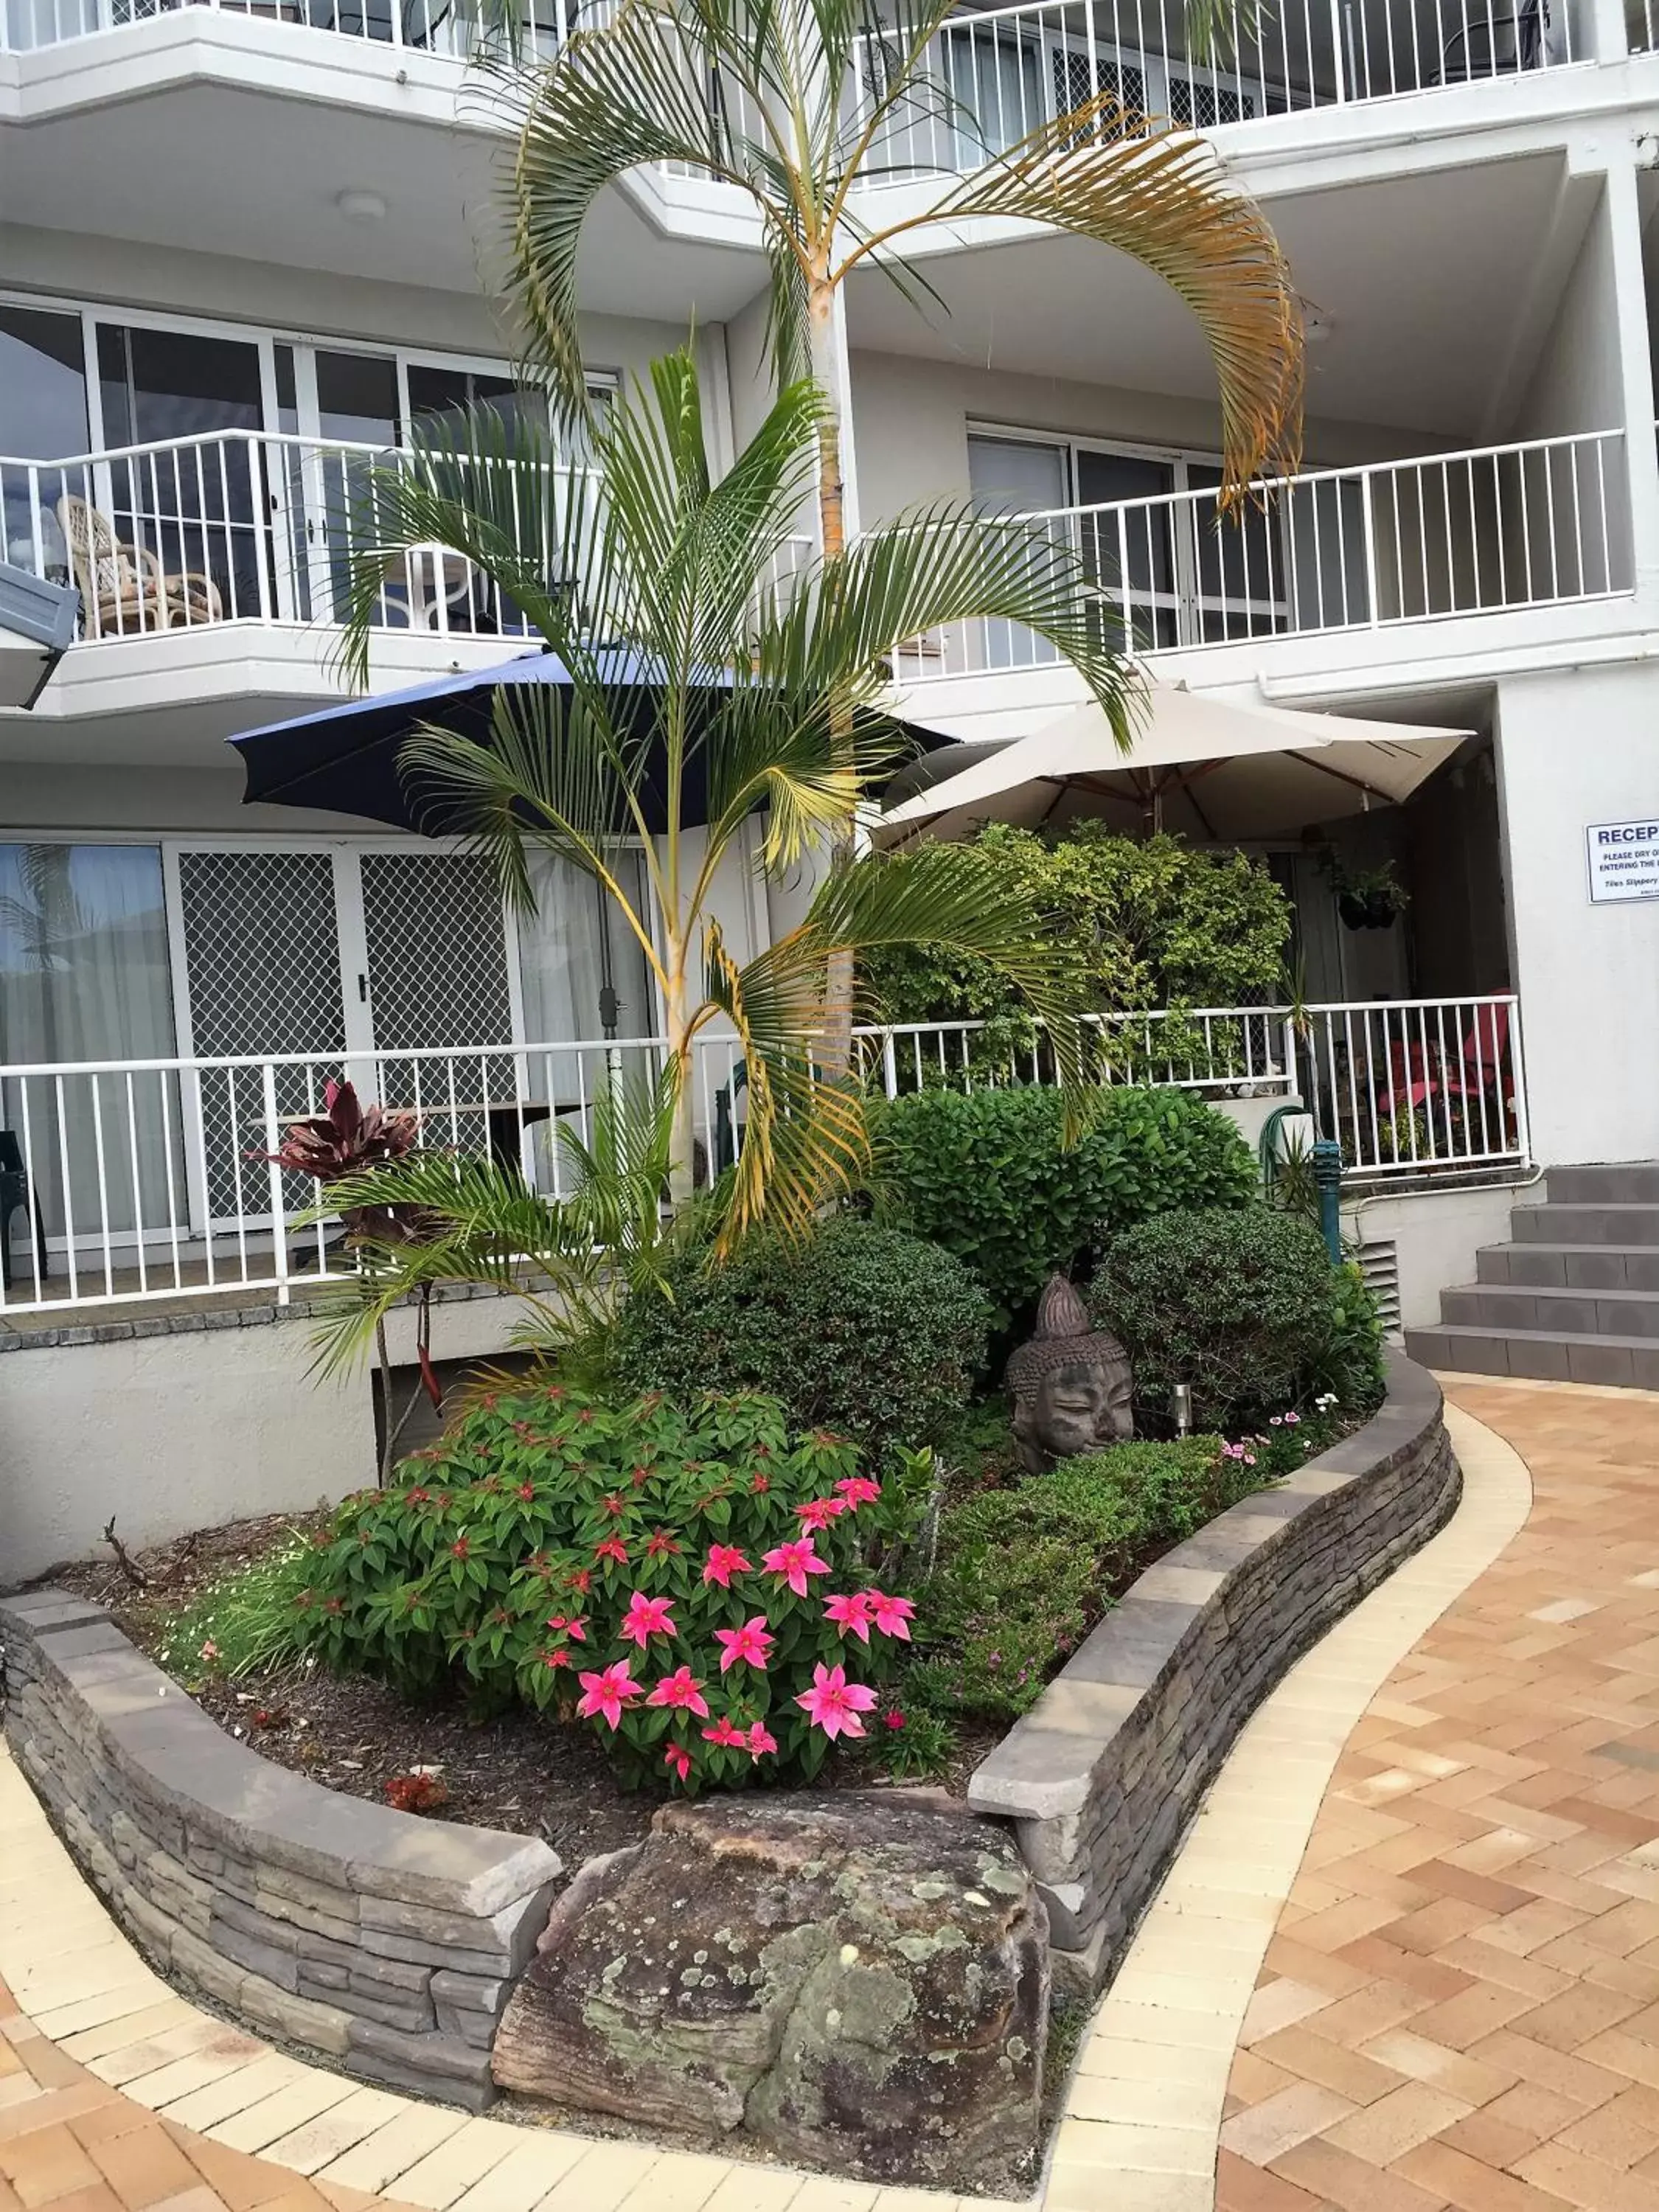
(819, 1512)
(760, 1739)
(646, 1617)
(209, 1651)
(858, 1490)
(608, 1692)
(852, 1613)
(575, 1630)
(895, 1719)
(723, 1734)
(750, 1643)
(679, 1690)
(679, 1758)
(724, 1561)
(793, 1563)
(834, 1703)
(891, 1614)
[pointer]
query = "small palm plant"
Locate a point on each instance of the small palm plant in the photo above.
(802, 105)
(702, 697)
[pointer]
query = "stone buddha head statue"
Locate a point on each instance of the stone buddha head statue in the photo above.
(1071, 1385)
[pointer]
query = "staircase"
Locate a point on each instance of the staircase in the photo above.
(1574, 1296)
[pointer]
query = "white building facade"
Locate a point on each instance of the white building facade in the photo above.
(243, 247)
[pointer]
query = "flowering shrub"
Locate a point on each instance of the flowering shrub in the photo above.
(711, 1595)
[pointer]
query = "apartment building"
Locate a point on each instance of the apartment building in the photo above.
(244, 246)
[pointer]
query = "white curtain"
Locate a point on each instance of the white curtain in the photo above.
(84, 976)
(574, 947)
(1016, 476)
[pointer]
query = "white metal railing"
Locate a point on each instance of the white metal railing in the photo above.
(455, 29)
(1531, 525)
(147, 1180)
(1417, 1086)
(996, 75)
(247, 526)
(263, 526)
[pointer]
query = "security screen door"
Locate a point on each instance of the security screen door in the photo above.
(334, 954)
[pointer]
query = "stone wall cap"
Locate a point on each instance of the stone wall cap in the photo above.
(163, 1740)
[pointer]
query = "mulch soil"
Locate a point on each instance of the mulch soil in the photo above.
(522, 1771)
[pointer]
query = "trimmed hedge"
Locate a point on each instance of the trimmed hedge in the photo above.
(862, 1329)
(985, 1174)
(1243, 1304)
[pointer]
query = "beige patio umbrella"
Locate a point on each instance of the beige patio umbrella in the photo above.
(1209, 766)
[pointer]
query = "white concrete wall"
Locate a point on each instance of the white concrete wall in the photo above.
(1435, 1235)
(1574, 749)
(1578, 383)
(273, 297)
(171, 1433)
(168, 1433)
(912, 418)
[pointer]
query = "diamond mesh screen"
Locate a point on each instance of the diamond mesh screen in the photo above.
(437, 971)
(263, 956)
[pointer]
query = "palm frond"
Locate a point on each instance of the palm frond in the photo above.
(1166, 201)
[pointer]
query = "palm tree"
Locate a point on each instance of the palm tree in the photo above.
(704, 695)
(799, 103)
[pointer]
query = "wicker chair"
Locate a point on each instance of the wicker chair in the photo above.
(124, 588)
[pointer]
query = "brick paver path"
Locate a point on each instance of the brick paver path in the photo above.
(1460, 2005)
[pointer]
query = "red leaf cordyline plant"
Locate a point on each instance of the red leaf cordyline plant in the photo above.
(348, 1138)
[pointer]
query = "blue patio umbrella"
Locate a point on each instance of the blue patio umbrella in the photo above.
(344, 759)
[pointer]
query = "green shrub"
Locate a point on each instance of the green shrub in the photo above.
(1240, 1304)
(700, 1586)
(1348, 1365)
(1025, 1573)
(1147, 921)
(862, 1328)
(985, 1174)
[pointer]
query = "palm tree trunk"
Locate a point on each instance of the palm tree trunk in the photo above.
(835, 1046)
(682, 1159)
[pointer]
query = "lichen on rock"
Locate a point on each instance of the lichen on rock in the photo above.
(880, 2009)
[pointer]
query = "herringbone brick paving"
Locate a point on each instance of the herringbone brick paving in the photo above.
(1461, 2003)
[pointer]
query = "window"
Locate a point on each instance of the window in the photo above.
(1148, 531)
(43, 415)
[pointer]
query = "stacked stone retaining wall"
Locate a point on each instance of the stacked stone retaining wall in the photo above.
(1103, 1776)
(384, 1942)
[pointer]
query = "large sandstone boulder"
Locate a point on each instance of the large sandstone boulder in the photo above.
(856, 1981)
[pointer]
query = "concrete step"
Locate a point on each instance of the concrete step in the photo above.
(1630, 1182)
(1572, 1267)
(1624, 1362)
(1504, 1306)
(1588, 1223)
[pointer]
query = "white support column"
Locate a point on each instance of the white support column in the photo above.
(1635, 362)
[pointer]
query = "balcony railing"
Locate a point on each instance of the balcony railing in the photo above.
(999, 74)
(1535, 524)
(455, 28)
(146, 1180)
(995, 74)
(241, 527)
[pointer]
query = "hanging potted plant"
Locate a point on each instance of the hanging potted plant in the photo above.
(1366, 898)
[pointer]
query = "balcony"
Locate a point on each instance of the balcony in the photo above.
(249, 539)
(1500, 529)
(133, 1182)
